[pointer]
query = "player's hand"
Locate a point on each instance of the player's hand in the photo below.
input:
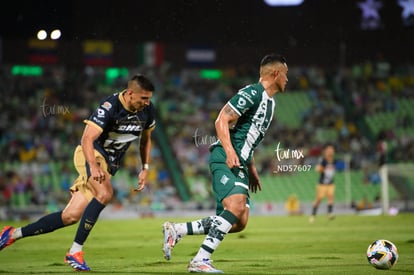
(97, 174)
(254, 180)
(255, 185)
(232, 160)
(142, 180)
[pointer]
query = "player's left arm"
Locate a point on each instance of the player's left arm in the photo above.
(254, 179)
(145, 153)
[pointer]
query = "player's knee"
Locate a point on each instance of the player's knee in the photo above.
(238, 210)
(103, 192)
(237, 206)
(69, 218)
(104, 196)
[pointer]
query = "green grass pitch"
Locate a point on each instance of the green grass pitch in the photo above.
(269, 245)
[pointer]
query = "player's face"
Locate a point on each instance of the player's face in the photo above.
(139, 99)
(329, 152)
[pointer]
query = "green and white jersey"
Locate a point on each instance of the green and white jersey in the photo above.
(255, 108)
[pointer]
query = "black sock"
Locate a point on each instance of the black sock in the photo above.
(330, 208)
(44, 225)
(314, 209)
(88, 220)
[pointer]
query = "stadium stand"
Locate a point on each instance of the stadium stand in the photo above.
(41, 122)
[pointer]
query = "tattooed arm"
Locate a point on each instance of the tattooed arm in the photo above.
(227, 117)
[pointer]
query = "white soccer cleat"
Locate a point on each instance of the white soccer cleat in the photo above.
(204, 266)
(171, 237)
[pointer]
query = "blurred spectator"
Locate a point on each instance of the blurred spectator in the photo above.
(381, 149)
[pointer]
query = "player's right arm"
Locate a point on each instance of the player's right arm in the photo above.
(95, 124)
(90, 134)
(321, 166)
(227, 117)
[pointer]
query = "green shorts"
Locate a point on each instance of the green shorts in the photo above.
(227, 181)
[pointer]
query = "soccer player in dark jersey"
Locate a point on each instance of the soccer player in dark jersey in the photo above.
(240, 126)
(325, 186)
(120, 119)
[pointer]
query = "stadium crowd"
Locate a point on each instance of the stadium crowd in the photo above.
(41, 123)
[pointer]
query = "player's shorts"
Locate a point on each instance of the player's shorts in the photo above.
(323, 190)
(81, 166)
(227, 181)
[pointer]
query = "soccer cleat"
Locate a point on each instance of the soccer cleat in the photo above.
(204, 266)
(171, 238)
(76, 261)
(6, 237)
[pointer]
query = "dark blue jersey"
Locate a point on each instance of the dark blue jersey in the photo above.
(119, 128)
(328, 173)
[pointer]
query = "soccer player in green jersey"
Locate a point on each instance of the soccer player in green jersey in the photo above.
(240, 126)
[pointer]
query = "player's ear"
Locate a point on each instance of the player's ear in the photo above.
(276, 73)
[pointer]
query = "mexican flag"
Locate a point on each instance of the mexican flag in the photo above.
(150, 53)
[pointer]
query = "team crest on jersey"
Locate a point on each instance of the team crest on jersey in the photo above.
(241, 174)
(106, 105)
(224, 179)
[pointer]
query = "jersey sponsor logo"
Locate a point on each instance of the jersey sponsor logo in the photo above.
(129, 128)
(106, 105)
(246, 95)
(241, 103)
(259, 121)
(98, 121)
(263, 116)
(101, 113)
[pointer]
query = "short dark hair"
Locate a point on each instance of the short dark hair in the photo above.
(272, 58)
(143, 82)
(329, 144)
